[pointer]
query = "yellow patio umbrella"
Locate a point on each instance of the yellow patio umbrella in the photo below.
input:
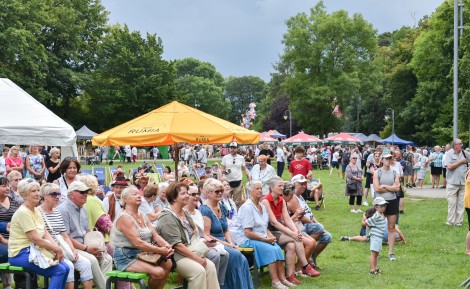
(172, 124)
(175, 123)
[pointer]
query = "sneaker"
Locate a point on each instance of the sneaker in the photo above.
(358, 211)
(317, 208)
(353, 211)
(458, 225)
(449, 224)
(392, 257)
(365, 203)
(344, 238)
(279, 285)
(379, 271)
(310, 271)
(374, 272)
(292, 280)
(402, 212)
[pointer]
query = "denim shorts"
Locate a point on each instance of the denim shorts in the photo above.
(376, 243)
(317, 228)
(124, 257)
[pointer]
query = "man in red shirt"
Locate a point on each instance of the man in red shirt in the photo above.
(300, 165)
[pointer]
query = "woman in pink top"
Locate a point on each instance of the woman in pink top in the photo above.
(13, 162)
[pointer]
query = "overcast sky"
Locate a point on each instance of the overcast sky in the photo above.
(243, 37)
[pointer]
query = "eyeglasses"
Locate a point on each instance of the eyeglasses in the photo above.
(218, 191)
(195, 195)
(55, 194)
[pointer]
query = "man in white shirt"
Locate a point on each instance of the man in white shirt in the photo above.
(281, 158)
(3, 168)
(134, 154)
(263, 172)
(202, 156)
(232, 166)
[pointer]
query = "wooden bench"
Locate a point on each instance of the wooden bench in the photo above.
(257, 271)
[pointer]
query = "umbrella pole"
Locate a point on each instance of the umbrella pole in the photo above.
(177, 157)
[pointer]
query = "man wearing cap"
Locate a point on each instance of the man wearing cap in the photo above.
(456, 161)
(75, 219)
(112, 202)
(386, 183)
(311, 225)
(301, 186)
(262, 172)
(232, 166)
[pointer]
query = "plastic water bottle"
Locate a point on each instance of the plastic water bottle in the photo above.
(232, 211)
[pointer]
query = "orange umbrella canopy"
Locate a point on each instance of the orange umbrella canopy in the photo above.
(175, 123)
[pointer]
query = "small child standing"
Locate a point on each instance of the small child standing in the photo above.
(377, 226)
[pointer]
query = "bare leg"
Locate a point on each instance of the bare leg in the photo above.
(290, 258)
(373, 260)
(273, 271)
(467, 251)
(392, 220)
(281, 273)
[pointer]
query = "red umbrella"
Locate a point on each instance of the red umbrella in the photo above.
(302, 139)
(265, 138)
(342, 138)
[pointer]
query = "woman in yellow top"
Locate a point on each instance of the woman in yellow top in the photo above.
(27, 228)
(466, 202)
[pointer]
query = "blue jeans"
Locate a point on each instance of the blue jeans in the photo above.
(3, 253)
(57, 274)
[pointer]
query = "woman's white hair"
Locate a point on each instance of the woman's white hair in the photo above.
(211, 184)
(26, 186)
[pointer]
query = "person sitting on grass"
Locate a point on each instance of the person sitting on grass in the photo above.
(364, 235)
(377, 227)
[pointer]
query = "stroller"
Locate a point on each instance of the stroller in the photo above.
(324, 163)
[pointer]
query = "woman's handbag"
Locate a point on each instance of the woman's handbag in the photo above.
(198, 246)
(151, 258)
(401, 192)
(95, 239)
(104, 224)
(352, 187)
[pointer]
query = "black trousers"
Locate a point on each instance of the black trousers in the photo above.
(280, 169)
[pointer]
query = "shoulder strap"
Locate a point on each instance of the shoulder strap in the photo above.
(379, 172)
(48, 223)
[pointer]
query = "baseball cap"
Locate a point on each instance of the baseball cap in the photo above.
(233, 144)
(299, 179)
(387, 155)
(379, 201)
(77, 186)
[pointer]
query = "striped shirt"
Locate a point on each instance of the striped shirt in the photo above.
(377, 225)
(56, 221)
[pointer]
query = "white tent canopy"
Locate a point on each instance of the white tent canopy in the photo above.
(25, 121)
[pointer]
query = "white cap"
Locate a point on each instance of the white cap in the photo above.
(299, 179)
(233, 144)
(379, 201)
(77, 186)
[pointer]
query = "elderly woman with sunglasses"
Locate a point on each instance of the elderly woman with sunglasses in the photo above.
(27, 226)
(55, 226)
(14, 162)
(220, 260)
(215, 225)
(253, 232)
(69, 169)
(13, 179)
(353, 188)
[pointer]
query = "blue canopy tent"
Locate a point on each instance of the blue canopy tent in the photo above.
(276, 135)
(394, 139)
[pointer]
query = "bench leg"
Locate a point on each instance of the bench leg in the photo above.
(142, 284)
(28, 279)
(109, 283)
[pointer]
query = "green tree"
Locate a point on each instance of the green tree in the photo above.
(130, 78)
(328, 59)
(47, 47)
(241, 91)
(199, 84)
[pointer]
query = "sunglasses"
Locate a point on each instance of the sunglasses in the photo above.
(218, 191)
(382, 206)
(195, 195)
(82, 192)
(55, 194)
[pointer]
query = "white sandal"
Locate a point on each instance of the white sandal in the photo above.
(279, 285)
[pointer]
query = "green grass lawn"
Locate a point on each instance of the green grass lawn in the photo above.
(433, 257)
